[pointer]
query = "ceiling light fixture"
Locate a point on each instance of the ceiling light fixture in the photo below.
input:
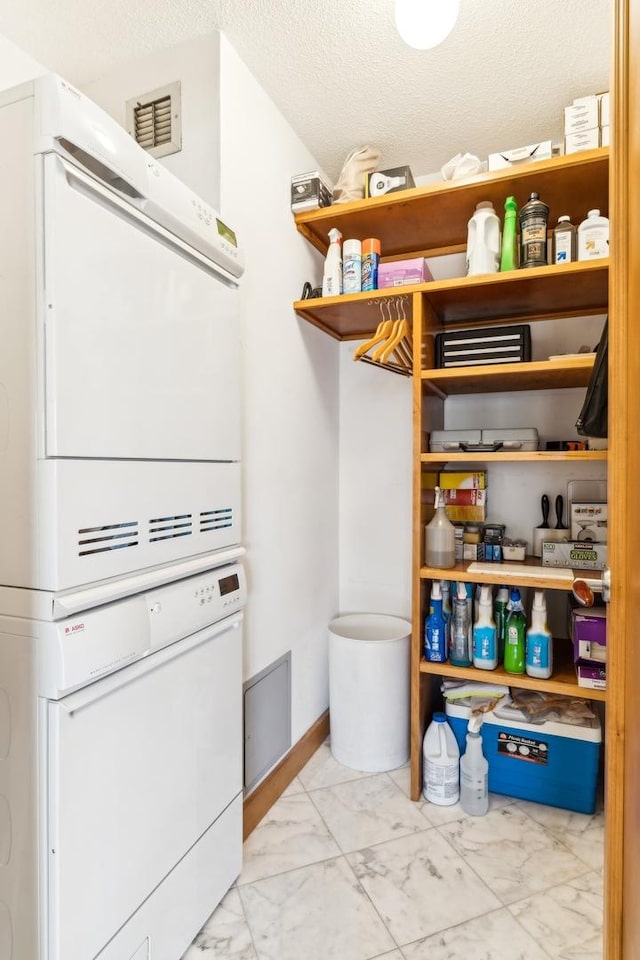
(423, 24)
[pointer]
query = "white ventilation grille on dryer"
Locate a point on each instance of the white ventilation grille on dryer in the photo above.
(167, 528)
(107, 536)
(154, 120)
(216, 519)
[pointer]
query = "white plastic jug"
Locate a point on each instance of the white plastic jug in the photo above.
(441, 763)
(483, 241)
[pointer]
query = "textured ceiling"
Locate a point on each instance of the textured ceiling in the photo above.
(342, 76)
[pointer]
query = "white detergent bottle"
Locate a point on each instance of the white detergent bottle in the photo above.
(483, 241)
(593, 237)
(474, 772)
(539, 643)
(441, 763)
(485, 646)
(332, 277)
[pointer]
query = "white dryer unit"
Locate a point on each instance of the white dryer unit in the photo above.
(120, 366)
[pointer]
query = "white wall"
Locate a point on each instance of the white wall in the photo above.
(291, 399)
(196, 65)
(16, 66)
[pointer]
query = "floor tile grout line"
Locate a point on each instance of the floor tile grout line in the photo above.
(249, 928)
(551, 835)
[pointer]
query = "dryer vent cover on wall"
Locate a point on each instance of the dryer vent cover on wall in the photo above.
(154, 120)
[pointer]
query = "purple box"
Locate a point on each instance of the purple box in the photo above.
(400, 273)
(592, 675)
(589, 632)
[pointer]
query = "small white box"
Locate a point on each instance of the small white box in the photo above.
(583, 114)
(605, 136)
(518, 155)
(604, 109)
(587, 140)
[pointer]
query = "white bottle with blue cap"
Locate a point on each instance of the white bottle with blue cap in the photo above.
(441, 763)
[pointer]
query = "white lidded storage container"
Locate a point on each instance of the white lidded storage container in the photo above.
(369, 691)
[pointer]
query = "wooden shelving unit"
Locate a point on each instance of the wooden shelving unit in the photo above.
(430, 221)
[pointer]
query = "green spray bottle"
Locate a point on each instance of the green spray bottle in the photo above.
(515, 635)
(508, 258)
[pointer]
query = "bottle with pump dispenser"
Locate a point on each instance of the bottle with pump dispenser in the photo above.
(332, 276)
(460, 635)
(509, 255)
(483, 241)
(514, 646)
(435, 628)
(485, 652)
(539, 644)
(474, 772)
(440, 537)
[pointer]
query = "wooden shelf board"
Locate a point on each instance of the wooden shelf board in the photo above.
(435, 216)
(461, 572)
(537, 293)
(499, 377)
(533, 456)
(572, 289)
(563, 681)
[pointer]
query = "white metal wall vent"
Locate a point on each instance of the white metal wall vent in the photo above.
(154, 120)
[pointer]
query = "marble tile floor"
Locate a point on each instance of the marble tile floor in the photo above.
(345, 867)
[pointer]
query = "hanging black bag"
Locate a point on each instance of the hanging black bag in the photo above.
(592, 421)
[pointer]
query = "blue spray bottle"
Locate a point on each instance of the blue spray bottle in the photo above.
(435, 628)
(539, 643)
(485, 648)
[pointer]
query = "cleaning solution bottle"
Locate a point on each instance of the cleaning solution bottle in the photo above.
(445, 586)
(509, 255)
(332, 277)
(460, 637)
(351, 266)
(441, 763)
(539, 652)
(565, 237)
(500, 617)
(533, 232)
(593, 237)
(440, 537)
(370, 260)
(435, 628)
(474, 772)
(485, 651)
(483, 240)
(514, 647)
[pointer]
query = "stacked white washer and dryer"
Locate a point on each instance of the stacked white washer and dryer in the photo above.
(121, 583)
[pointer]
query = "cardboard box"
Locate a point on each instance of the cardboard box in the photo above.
(589, 632)
(582, 114)
(553, 763)
(589, 522)
(450, 479)
(473, 551)
(466, 506)
(605, 104)
(605, 136)
(591, 675)
(400, 273)
(573, 553)
(520, 155)
(586, 140)
(309, 191)
(388, 181)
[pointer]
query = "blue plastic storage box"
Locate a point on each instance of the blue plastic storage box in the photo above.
(553, 763)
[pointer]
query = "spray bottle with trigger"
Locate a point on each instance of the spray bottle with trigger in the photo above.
(474, 772)
(332, 276)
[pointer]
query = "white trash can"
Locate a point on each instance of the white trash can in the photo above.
(369, 691)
